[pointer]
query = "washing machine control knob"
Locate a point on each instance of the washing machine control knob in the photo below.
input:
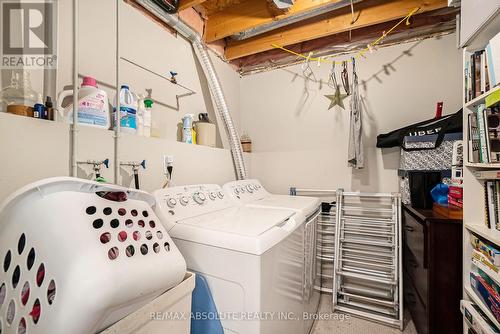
(236, 191)
(250, 188)
(220, 194)
(242, 189)
(184, 200)
(199, 197)
(171, 202)
(212, 196)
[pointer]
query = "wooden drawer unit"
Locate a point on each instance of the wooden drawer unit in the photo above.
(432, 265)
(417, 309)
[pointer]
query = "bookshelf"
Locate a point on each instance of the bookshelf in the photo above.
(472, 104)
(474, 198)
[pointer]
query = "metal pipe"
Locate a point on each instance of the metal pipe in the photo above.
(117, 102)
(74, 126)
(399, 260)
(212, 79)
(292, 19)
(333, 192)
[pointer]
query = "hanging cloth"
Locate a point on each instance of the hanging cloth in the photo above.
(355, 155)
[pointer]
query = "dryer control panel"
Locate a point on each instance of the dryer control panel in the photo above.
(183, 202)
(245, 191)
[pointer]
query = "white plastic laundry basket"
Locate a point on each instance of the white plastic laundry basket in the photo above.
(77, 256)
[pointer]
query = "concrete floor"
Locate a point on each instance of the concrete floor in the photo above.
(347, 324)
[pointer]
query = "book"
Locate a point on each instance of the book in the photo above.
(477, 74)
(493, 125)
(482, 76)
(473, 136)
(486, 293)
(466, 81)
(455, 202)
(456, 192)
(487, 135)
(483, 143)
(497, 204)
(472, 77)
(491, 203)
(489, 250)
(493, 56)
(487, 175)
(486, 206)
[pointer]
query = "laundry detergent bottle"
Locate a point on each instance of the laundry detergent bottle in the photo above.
(93, 105)
(128, 110)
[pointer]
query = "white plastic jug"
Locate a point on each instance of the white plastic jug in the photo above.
(128, 110)
(93, 105)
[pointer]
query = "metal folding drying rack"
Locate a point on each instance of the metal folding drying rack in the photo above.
(359, 245)
(368, 267)
(325, 235)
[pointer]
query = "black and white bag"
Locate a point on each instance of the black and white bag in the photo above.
(421, 156)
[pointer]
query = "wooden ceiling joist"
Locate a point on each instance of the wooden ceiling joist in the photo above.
(439, 21)
(251, 14)
(369, 12)
(184, 4)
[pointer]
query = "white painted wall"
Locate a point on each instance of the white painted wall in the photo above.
(298, 142)
(33, 149)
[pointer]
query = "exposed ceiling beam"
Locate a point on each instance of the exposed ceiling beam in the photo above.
(189, 3)
(439, 21)
(251, 14)
(368, 13)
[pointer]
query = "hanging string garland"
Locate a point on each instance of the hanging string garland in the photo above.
(369, 48)
(336, 99)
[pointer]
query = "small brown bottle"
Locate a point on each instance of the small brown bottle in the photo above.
(50, 108)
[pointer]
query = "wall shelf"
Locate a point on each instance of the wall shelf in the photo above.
(475, 298)
(480, 99)
(478, 259)
(484, 232)
(482, 165)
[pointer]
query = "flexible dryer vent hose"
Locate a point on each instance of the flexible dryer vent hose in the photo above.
(212, 79)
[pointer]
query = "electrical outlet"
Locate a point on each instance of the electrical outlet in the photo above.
(168, 160)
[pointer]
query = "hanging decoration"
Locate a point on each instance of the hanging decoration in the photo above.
(371, 47)
(337, 99)
(355, 154)
(345, 77)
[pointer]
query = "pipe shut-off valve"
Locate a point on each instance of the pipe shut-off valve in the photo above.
(135, 169)
(96, 166)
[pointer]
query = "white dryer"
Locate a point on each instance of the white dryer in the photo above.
(251, 257)
(251, 193)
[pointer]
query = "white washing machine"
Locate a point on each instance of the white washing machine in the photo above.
(251, 193)
(251, 257)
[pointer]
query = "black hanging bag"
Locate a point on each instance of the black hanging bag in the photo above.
(441, 126)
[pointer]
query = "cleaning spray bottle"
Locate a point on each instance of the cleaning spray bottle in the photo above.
(141, 109)
(148, 117)
(187, 129)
